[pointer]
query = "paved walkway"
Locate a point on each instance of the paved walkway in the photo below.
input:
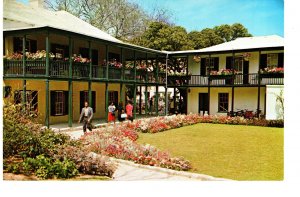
(130, 171)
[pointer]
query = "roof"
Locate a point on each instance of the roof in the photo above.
(243, 43)
(30, 17)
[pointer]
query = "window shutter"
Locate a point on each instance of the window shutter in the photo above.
(263, 61)
(202, 67)
(116, 98)
(94, 101)
(52, 102)
(229, 62)
(216, 63)
(35, 99)
(66, 97)
(81, 100)
(280, 60)
(33, 46)
(95, 57)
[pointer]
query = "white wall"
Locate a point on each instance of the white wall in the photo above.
(244, 98)
(194, 67)
(274, 110)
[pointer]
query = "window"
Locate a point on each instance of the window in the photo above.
(113, 97)
(208, 64)
(31, 99)
(60, 51)
(272, 60)
(84, 96)
(238, 64)
(31, 45)
(223, 102)
(84, 52)
(59, 103)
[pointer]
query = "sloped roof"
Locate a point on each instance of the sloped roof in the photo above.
(30, 17)
(242, 44)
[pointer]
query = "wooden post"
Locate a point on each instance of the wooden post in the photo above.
(232, 84)
(90, 75)
(47, 118)
(24, 72)
(140, 101)
(106, 101)
(70, 85)
(47, 121)
(134, 101)
(156, 100)
(107, 69)
(146, 100)
(123, 65)
(259, 82)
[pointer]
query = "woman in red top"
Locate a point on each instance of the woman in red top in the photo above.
(129, 109)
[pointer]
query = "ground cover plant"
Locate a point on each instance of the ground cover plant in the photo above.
(28, 148)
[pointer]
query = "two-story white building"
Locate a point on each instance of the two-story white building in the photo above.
(256, 83)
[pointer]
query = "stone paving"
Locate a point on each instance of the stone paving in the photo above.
(129, 171)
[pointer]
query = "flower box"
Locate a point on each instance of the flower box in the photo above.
(212, 77)
(271, 75)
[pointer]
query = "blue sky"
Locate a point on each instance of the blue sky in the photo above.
(261, 17)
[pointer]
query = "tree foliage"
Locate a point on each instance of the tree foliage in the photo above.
(119, 18)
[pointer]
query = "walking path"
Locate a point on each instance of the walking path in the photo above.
(130, 171)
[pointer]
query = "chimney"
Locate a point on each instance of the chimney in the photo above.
(37, 3)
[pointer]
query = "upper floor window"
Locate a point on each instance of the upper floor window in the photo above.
(209, 64)
(272, 60)
(238, 64)
(84, 52)
(31, 45)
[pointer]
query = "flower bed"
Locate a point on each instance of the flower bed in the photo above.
(120, 143)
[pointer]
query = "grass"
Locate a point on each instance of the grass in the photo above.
(229, 151)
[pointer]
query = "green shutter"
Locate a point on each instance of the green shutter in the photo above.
(202, 67)
(216, 63)
(280, 60)
(52, 102)
(66, 101)
(262, 61)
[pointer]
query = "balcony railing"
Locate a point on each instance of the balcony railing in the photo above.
(251, 79)
(60, 69)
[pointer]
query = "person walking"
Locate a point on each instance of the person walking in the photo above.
(112, 113)
(86, 116)
(151, 105)
(120, 112)
(129, 109)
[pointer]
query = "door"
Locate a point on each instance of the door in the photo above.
(246, 72)
(203, 103)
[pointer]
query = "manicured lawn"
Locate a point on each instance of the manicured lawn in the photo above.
(229, 151)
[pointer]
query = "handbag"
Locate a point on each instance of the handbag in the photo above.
(123, 115)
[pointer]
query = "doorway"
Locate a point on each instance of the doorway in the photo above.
(203, 103)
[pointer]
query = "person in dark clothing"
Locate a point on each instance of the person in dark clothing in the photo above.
(86, 116)
(120, 112)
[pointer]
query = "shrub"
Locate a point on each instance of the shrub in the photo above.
(44, 152)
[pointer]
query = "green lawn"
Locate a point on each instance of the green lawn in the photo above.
(229, 151)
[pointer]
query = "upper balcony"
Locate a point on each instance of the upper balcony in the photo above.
(60, 69)
(243, 80)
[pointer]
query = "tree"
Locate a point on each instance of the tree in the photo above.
(162, 36)
(239, 31)
(119, 18)
(224, 31)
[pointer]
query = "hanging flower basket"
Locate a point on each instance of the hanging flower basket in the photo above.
(197, 58)
(247, 56)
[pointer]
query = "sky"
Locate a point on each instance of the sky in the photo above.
(260, 17)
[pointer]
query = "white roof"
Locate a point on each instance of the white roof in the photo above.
(241, 44)
(32, 17)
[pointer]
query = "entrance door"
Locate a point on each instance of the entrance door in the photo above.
(203, 103)
(246, 72)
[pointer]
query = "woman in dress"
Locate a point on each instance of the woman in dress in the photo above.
(129, 109)
(111, 113)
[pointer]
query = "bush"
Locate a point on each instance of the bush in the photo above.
(45, 167)
(44, 152)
